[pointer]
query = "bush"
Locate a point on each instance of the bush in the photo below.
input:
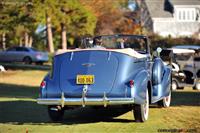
(167, 42)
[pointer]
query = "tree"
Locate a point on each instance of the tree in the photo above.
(26, 21)
(23, 16)
(5, 23)
(68, 17)
(113, 16)
(17, 17)
(74, 20)
(44, 12)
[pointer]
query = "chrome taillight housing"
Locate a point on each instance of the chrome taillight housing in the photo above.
(43, 84)
(131, 83)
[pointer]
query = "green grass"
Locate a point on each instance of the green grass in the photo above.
(20, 113)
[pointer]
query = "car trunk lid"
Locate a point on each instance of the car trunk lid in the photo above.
(102, 64)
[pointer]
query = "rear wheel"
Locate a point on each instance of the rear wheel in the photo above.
(197, 86)
(56, 113)
(141, 111)
(165, 102)
(27, 60)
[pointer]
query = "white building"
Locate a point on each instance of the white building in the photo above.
(171, 17)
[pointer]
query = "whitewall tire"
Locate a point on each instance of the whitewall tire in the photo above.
(165, 102)
(197, 86)
(141, 111)
(174, 85)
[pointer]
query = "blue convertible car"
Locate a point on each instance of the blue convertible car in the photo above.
(111, 70)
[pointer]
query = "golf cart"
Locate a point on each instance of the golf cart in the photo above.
(183, 67)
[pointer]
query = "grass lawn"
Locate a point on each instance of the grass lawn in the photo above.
(20, 113)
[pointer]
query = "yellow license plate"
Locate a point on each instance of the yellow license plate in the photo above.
(85, 79)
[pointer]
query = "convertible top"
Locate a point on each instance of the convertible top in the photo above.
(127, 51)
(182, 51)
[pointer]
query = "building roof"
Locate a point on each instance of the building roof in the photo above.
(164, 8)
(156, 9)
(185, 2)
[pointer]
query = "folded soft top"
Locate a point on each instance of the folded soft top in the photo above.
(127, 51)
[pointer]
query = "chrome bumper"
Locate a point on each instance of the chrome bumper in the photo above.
(85, 101)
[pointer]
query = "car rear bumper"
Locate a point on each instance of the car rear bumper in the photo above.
(85, 101)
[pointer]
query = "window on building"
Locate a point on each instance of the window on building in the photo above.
(180, 14)
(193, 17)
(183, 15)
(186, 14)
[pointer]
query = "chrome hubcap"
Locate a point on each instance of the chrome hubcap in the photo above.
(168, 100)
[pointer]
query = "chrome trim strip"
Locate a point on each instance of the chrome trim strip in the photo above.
(87, 101)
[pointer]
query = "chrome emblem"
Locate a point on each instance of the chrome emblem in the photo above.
(88, 64)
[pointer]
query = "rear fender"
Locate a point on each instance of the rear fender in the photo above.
(138, 92)
(157, 71)
(163, 89)
(50, 91)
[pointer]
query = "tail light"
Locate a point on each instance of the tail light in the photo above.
(131, 83)
(38, 55)
(43, 84)
(42, 89)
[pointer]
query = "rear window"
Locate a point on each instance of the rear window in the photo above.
(11, 49)
(21, 49)
(33, 49)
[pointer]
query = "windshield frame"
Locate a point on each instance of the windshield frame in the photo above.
(144, 38)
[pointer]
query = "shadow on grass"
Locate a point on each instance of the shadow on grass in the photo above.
(18, 91)
(21, 66)
(185, 98)
(25, 111)
(20, 112)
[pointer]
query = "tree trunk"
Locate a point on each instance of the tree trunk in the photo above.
(49, 34)
(26, 39)
(20, 41)
(30, 41)
(63, 36)
(4, 41)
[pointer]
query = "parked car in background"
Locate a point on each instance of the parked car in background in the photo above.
(183, 67)
(23, 54)
(2, 69)
(196, 48)
(115, 70)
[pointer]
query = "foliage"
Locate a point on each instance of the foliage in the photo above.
(76, 18)
(113, 16)
(72, 14)
(17, 19)
(20, 16)
(167, 42)
(80, 17)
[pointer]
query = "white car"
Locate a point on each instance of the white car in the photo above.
(184, 68)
